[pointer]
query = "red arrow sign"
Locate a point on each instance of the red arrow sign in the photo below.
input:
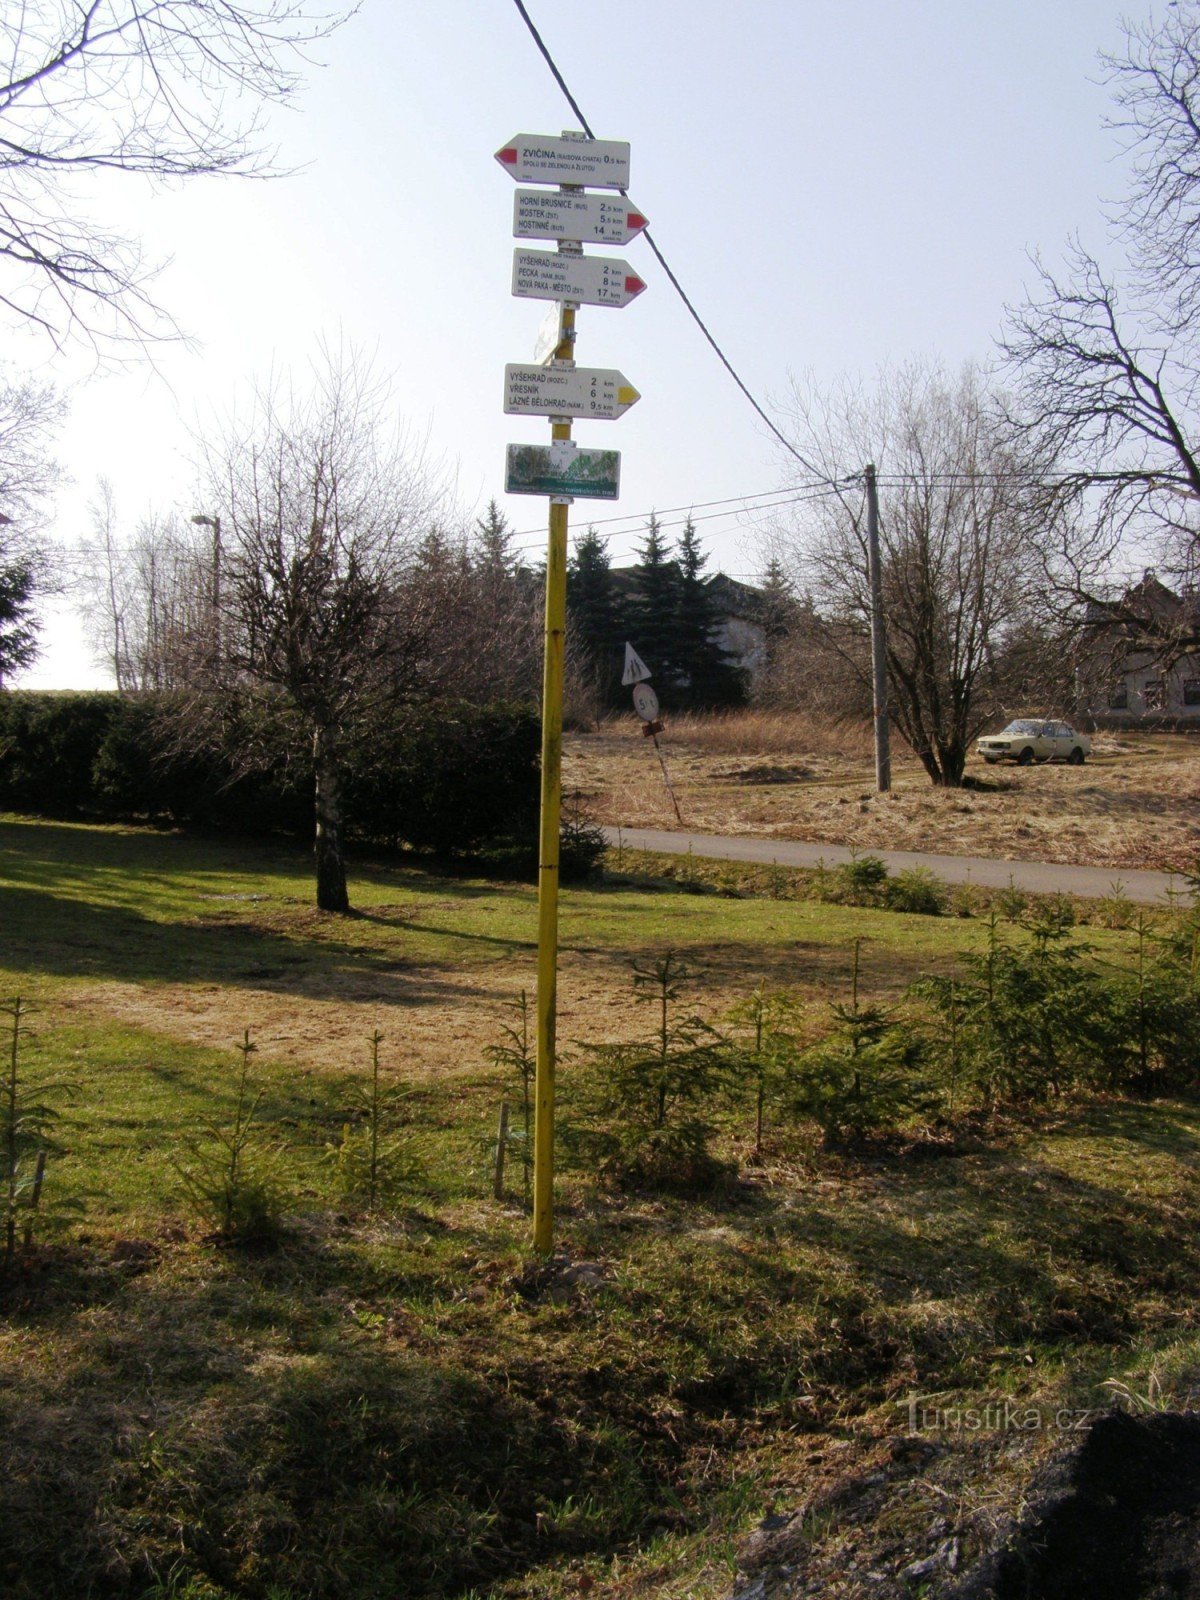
(586, 280)
(574, 214)
(542, 158)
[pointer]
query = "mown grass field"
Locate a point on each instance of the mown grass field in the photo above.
(404, 1402)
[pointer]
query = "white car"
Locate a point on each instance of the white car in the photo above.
(1028, 740)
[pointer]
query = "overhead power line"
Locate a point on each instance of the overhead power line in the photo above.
(665, 265)
(787, 495)
(756, 501)
(666, 524)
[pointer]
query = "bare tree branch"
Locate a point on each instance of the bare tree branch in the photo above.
(160, 88)
(1105, 361)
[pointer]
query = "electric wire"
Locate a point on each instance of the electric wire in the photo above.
(786, 495)
(665, 265)
(740, 508)
(537, 538)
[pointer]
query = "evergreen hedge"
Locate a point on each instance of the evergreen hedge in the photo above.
(450, 778)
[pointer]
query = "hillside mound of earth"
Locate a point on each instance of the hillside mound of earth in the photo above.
(1116, 1519)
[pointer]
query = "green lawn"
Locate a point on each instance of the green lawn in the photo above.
(405, 1402)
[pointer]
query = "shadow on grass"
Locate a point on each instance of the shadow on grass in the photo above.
(1007, 1249)
(75, 938)
(123, 904)
(933, 1276)
(255, 1428)
(400, 921)
(1166, 1126)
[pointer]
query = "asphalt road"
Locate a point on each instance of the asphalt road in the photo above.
(1039, 877)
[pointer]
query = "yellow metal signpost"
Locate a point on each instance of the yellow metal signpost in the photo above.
(548, 847)
(574, 161)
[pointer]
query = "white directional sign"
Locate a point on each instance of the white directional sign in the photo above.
(567, 392)
(561, 214)
(586, 280)
(539, 158)
(563, 470)
(636, 669)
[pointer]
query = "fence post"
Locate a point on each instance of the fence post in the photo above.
(501, 1149)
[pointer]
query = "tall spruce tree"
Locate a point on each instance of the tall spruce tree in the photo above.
(781, 614)
(654, 611)
(593, 612)
(493, 536)
(694, 618)
(706, 676)
(779, 605)
(18, 619)
(778, 599)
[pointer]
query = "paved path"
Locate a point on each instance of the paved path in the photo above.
(1041, 877)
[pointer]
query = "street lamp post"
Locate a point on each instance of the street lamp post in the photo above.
(215, 583)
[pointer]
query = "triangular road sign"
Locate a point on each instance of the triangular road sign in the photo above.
(635, 668)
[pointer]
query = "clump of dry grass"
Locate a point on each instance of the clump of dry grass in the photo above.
(754, 732)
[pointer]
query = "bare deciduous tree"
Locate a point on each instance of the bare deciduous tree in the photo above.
(1106, 359)
(482, 618)
(321, 506)
(29, 414)
(105, 581)
(161, 88)
(954, 529)
(142, 596)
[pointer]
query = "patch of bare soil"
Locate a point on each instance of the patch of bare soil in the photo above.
(436, 1021)
(1136, 803)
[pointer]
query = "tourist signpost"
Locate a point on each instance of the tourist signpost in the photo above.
(567, 392)
(568, 214)
(554, 387)
(586, 280)
(574, 159)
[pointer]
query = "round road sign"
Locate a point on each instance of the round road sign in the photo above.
(645, 702)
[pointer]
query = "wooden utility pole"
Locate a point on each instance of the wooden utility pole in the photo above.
(883, 753)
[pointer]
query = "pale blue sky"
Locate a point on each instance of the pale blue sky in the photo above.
(837, 185)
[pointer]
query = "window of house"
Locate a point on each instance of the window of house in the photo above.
(1154, 696)
(1191, 691)
(1118, 699)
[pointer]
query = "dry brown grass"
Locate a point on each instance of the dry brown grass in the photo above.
(762, 774)
(761, 733)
